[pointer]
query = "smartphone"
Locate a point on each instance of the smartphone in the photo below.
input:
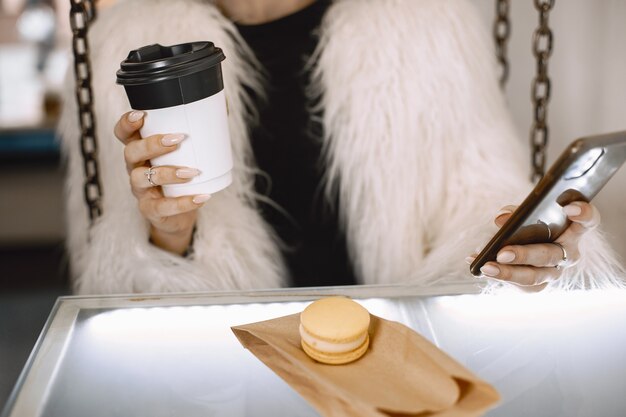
(577, 175)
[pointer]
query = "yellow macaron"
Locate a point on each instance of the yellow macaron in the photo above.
(333, 330)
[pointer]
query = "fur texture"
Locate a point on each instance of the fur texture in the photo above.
(419, 146)
(233, 248)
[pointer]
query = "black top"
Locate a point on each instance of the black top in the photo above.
(287, 145)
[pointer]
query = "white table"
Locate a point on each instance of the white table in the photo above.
(560, 354)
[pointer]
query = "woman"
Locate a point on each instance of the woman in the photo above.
(409, 146)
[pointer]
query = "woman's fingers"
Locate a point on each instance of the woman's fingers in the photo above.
(127, 128)
(520, 275)
(159, 209)
(143, 177)
(168, 216)
(533, 265)
(539, 254)
(584, 216)
(139, 151)
(503, 215)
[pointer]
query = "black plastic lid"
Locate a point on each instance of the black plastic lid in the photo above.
(157, 76)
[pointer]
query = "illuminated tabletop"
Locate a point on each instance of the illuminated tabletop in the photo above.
(175, 355)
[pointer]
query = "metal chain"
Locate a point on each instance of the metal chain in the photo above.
(541, 88)
(501, 33)
(82, 12)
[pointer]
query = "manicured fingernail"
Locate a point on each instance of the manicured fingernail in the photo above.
(503, 212)
(171, 140)
(187, 172)
(505, 256)
(572, 210)
(490, 270)
(201, 198)
(135, 116)
(469, 260)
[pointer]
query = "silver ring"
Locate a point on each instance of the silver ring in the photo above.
(563, 262)
(149, 173)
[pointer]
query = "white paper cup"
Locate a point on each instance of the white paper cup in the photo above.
(180, 88)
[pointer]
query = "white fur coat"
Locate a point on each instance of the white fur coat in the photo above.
(419, 146)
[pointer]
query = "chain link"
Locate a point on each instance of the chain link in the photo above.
(82, 12)
(541, 88)
(501, 34)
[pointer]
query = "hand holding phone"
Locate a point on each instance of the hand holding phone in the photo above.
(577, 175)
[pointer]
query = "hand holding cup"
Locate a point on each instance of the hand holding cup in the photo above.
(180, 89)
(171, 218)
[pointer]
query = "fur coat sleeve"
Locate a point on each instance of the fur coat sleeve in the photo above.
(420, 145)
(234, 248)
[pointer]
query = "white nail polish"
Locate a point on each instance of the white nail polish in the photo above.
(172, 139)
(572, 210)
(201, 198)
(490, 270)
(469, 260)
(186, 173)
(506, 256)
(135, 116)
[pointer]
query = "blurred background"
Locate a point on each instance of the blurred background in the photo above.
(588, 70)
(34, 39)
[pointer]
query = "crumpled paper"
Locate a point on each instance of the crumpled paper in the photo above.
(402, 374)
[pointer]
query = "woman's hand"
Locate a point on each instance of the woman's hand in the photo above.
(171, 219)
(538, 264)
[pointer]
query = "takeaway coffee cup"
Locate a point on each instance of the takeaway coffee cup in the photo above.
(180, 88)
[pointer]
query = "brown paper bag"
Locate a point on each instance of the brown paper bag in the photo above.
(402, 374)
